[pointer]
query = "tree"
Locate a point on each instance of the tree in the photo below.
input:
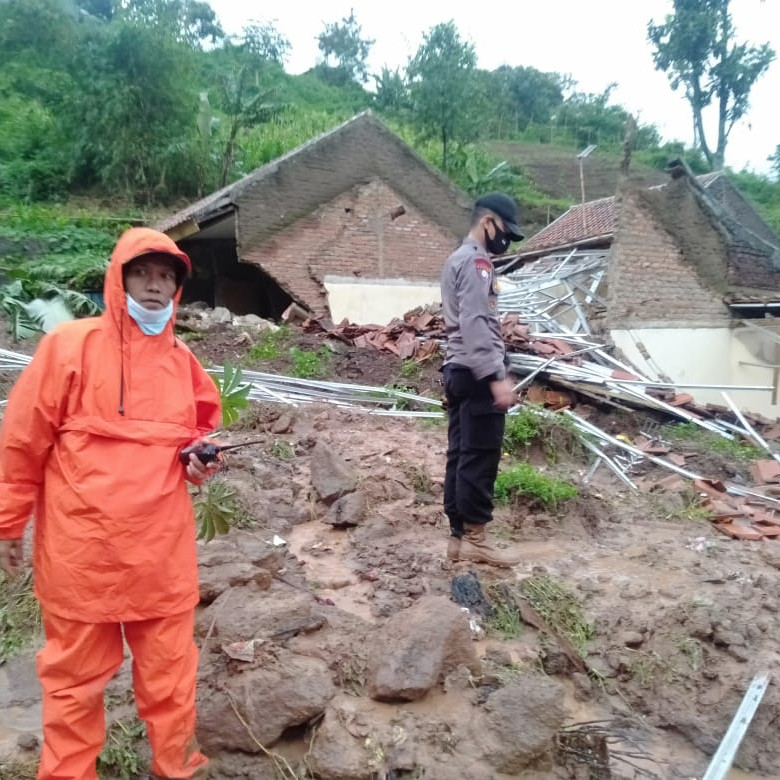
(132, 119)
(244, 107)
(391, 94)
(265, 42)
(344, 51)
(592, 119)
(188, 21)
(696, 48)
(775, 160)
(529, 95)
(441, 78)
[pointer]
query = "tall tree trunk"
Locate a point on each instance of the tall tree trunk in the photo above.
(696, 105)
(227, 157)
(444, 160)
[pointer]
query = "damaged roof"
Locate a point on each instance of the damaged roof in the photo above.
(593, 223)
(295, 184)
(584, 224)
(728, 255)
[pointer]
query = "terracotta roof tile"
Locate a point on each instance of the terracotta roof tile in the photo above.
(600, 219)
(580, 223)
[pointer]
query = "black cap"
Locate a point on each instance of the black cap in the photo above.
(504, 206)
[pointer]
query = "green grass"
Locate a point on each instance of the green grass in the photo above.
(20, 615)
(120, 758)
(522, 429)
(505, 620)
(691, 650)
(647, 667)
(704, 440)
(270, 344)
(692, 510)
(554, 432)
(560, 609)
(281, 450)
(309, 365)
(419, 477)
(410, 369)
(523, 480)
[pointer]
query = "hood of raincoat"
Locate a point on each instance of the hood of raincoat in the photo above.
(134, 243)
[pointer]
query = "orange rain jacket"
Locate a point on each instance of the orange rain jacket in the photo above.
(90, 444)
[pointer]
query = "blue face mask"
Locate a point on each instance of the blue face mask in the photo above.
(151, 321)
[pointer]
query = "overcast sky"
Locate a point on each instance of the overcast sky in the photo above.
(597, 42)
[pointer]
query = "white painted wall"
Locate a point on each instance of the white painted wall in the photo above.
(376, 301)
(707, 356)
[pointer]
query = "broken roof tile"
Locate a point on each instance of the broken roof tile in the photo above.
(765, 471)
(742, 532)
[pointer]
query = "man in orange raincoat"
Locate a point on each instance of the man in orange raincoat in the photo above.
(89, 446)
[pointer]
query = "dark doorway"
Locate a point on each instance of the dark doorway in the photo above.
(219, 279)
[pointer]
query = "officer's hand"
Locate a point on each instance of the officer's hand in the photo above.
(503, 394)
(11, 556)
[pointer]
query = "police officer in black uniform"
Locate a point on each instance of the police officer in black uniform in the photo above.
(476, 385)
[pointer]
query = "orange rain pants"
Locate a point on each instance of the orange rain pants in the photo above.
(74, 668)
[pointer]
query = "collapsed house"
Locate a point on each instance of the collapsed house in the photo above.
(683, 278)
(353, 224)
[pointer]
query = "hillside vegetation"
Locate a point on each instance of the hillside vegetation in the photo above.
(114, 113)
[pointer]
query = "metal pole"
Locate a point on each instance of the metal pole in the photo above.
(724, 757)
(750, 431)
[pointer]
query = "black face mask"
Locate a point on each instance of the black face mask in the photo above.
(499, 243)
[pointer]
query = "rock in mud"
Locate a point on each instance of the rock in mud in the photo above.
(238, 559)
(336, 754)
(215, 580)
(520, 722)
(347, 511)
(288, 690)
(283, 424)
(632, 638)
(417, 648)
(240, 547)
(331, 476)
(240, 614)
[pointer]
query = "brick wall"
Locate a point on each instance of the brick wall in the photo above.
(360, 151)
(650, 282)
(353, 235)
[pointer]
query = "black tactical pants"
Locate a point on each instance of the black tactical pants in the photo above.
(475, 435)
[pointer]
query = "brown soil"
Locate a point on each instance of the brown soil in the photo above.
(683, 617)
(703, 606)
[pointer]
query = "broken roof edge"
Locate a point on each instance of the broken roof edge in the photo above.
(721, 216)
(582, 243)
(229, 194)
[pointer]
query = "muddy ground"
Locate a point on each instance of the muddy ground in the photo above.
(331, 648)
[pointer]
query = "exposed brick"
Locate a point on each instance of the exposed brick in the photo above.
(354, 236)
(649, 279)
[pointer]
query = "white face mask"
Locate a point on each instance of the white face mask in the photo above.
(151, 321)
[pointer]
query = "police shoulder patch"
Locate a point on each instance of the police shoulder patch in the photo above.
(483, 267)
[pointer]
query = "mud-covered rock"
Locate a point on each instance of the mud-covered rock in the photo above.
(240, 614)
(417, 648)
(520, 722)
(240, 547)
(215, 580)
(284, 691)
(331, 476)
(346, 511)
(337, 754)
